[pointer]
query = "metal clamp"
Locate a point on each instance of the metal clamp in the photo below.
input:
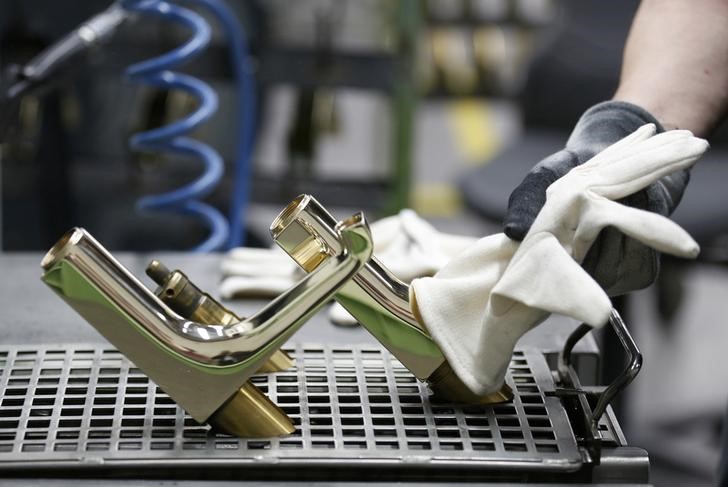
(589, 415)
(566, 370)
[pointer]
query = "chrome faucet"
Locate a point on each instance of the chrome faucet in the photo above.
(376, 298)
(202, 364)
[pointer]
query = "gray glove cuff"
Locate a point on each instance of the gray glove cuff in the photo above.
(604, 124)
(599, 127)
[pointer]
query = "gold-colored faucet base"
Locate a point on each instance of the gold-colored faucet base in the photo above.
(446, 386)
(250, 414)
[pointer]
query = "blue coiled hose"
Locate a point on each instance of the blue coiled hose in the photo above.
(172, 138)
(247, 106)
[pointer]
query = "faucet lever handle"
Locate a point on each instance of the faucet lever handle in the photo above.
(186, 299)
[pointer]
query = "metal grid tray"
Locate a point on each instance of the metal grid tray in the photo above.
(75, 407)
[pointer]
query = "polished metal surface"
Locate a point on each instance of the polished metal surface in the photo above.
(634, 365)
(357, 410)
(200, 365)
(189, 301)
(248, 413)
(375, 297)
(586, 417)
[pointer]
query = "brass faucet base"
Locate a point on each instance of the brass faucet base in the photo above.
(250, 414)
(446, 385)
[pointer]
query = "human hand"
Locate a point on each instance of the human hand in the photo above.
(479, 305)
(618, 263)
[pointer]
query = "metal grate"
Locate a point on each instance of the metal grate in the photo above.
(75, 406)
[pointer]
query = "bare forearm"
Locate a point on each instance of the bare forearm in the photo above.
(676, 63)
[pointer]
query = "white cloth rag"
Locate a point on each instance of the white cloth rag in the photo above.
(479, 305)
(257, 273)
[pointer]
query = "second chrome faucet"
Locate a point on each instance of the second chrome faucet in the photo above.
(376, 298)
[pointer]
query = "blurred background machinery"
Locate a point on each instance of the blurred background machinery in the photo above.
(338, 84)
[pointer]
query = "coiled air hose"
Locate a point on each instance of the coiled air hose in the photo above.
(173, 138)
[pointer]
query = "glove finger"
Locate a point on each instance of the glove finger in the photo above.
(496, 342)
(621, 264)
(655, 231)
(544, 276)
(419, 231)
(529, 197)
(409, 263)
(249, 288)
(385, 230)
(252, 254)
(430, 244)
(249, 261)
(659, 156)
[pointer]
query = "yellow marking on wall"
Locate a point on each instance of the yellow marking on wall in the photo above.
(474, 130)
(436, 199)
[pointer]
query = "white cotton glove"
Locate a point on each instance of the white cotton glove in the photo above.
(479, 305)
(410, 247)
(257, 273)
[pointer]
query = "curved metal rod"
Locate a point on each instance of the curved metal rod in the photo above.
(626, 377)
(564, 361)
(308, 214)
(122, 294)
(622, 381)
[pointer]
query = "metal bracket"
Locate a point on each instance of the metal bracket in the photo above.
(578, 400)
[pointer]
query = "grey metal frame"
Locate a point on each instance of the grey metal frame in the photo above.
(78, 407)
